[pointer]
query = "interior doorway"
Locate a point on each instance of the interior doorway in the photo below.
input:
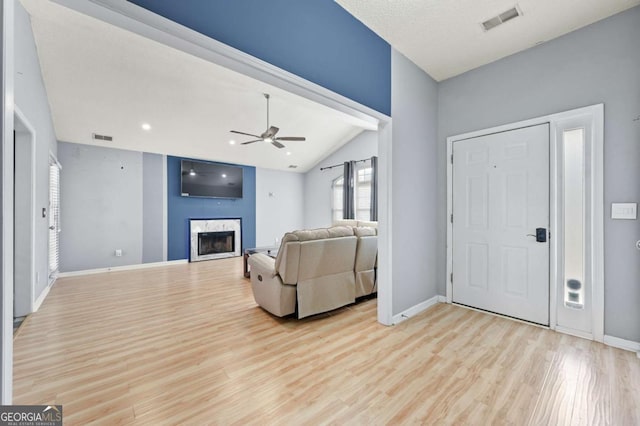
(24, 214)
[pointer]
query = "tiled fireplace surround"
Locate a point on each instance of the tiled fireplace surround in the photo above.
(209, 226)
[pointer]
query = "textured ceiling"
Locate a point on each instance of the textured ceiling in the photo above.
(102, 79)
(445, 37)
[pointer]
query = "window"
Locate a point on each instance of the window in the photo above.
(574, 232)
(336, 199)
(362, 195)
(54, 218)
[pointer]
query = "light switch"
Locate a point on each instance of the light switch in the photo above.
(624, 210)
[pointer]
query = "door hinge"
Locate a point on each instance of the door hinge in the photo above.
(451, 158)
(451, 277)
(451, 217)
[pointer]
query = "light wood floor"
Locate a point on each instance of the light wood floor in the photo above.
(187, 344)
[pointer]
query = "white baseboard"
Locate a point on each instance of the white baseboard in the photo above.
(627, 345)
(122, 268)
(408, 313)
(40, 299)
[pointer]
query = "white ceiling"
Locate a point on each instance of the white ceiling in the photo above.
(103, 79)
(445, 37)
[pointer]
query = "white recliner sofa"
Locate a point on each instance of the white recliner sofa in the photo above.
(315, 270)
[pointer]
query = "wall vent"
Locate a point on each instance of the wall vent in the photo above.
(101, 137)
(293, 166)
(508, 15)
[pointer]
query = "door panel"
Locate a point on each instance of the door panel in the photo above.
(500, 197)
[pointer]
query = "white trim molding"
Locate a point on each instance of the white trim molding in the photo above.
(122, 268)
(38, 302)
(627, 345)
(416, 309)
(592, 117)
(7, 8)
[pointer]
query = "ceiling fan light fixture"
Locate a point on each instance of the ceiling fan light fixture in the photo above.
(268, 140)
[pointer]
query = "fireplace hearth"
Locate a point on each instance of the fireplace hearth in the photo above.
(214, 239)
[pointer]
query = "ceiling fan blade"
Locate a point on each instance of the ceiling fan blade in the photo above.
(291, 138)
(245, 143)
(243, 133)
(277, 144)
(270, 133)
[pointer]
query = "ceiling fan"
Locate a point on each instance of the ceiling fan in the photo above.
(269, 135)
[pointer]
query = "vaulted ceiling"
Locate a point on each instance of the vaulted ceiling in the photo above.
(103, 79)
(446, 37)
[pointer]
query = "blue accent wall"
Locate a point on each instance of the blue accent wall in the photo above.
(315, 39)
(181, 209)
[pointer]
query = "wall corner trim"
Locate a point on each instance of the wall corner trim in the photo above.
(416, 309)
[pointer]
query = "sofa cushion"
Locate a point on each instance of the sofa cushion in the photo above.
(365, 231)
(340, 231)
(287, 238)
(345, 222)
(367, 223)
(312, 234)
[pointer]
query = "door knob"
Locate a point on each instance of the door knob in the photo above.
(541, 235)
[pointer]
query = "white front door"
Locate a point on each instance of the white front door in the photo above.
(500, 198)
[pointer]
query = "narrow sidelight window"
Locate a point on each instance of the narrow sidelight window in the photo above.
(574, 217)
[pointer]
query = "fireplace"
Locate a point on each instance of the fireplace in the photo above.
(216, 242)
(214, 238)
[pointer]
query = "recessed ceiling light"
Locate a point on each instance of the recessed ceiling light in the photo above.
(288, 152)
(232, 142)
(146, 126)
(224, 175)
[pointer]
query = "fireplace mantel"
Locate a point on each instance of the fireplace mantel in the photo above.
(207, 227)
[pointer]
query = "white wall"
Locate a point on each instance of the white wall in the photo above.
(414, 100)
(317, 184)
(279, 204)
(31, 99)
(596, 64)
(101, 207)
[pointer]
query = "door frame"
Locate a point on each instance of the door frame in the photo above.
(24, 298)
(140, 21)
(594, 115)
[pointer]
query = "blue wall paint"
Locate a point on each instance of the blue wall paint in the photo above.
(181, 209)
(315, 39)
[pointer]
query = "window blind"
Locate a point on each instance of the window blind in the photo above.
(54, 219)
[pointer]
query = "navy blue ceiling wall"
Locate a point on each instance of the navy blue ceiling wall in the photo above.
(314, 39)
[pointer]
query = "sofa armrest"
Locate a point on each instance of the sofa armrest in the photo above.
(262, 264)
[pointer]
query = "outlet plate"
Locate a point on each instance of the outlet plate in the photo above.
(118, 252)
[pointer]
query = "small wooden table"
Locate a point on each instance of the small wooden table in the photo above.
(271, 251)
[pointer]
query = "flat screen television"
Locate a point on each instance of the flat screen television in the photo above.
(211, 180)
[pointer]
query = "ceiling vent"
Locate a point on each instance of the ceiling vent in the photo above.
(293, 166)
(101, 137)
(514, 12)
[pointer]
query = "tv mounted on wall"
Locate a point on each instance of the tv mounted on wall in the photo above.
(211, 180)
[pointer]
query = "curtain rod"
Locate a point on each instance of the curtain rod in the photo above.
(342, 164)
